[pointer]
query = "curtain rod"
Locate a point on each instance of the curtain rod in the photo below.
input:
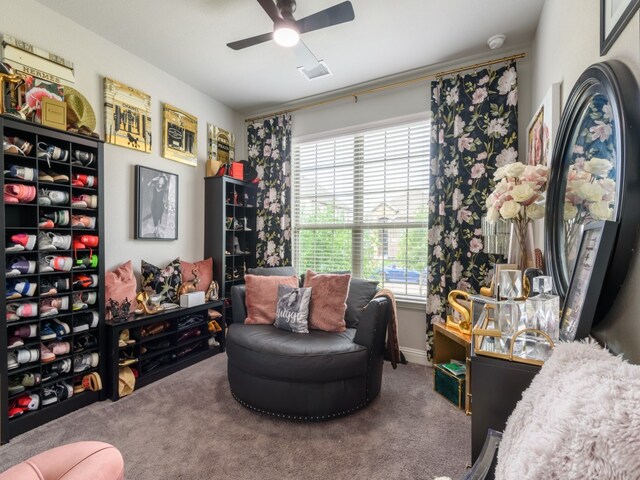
(388, 86)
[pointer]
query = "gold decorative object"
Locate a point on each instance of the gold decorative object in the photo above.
(179, 135)
(190, 286)
(127, 116)
(8, 84)
(462, 324)
(220, 149)
(53, 113)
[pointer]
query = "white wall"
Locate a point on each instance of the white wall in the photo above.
(95, 57)
(566, 43)
(394, 103)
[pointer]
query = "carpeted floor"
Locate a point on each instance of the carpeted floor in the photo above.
(187, 426)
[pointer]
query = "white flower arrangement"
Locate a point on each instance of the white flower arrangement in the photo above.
(517, 191)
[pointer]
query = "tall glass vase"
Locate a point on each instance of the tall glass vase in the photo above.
(520, 226)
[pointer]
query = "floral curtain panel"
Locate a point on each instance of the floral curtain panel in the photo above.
(269, 147)
(474, 131)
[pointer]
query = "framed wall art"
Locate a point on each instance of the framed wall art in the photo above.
(580, 304)
(543, 127)
(614, 17)
(156, 204)
(221, 146)
(127, 116)
(179, 135)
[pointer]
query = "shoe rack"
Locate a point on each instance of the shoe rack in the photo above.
(82, 327)
(160, 344)
(230, 231)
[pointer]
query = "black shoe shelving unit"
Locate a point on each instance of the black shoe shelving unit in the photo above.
(156, 355)
(17, 218)
(229, 231)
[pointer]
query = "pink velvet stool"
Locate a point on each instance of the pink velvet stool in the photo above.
(76, 461)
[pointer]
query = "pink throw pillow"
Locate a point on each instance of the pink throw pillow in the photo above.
(204, 269)
(262, 297)
(120, 286)
(328, 300)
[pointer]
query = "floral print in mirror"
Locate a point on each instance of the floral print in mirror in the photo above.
(590, 190)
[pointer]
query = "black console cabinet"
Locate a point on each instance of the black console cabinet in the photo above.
(497, 386)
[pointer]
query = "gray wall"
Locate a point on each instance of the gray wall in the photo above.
(95, 57)
(566, 43)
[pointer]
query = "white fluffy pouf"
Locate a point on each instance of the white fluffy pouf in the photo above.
(579, 419)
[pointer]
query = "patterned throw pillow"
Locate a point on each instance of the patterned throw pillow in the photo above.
(120, 291)
(292, 310)
(164, 281)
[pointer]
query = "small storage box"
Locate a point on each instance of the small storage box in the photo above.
(449, 386)
(191, 299)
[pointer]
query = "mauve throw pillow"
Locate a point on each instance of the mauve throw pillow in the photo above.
(292, 311)
(328, 300)
(119, 288)
(204, 270)
(262, 297)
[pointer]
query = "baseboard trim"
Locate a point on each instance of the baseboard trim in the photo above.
(413, 355)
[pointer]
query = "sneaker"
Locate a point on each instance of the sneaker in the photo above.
(18, 193)
(49, 396)
(15, 386)
(85, 281)
(63, 391)
(29, 402)
(12, 361)
(27, 355)
(18, 289)
(52, 197)
(47, 332)
(82, 180)
(60, 348)
(52, 306)
(62, 366)
(25, 331)
(30, 379)
(85, 361)
(61, 328)
(85, 201)
(46, 355)
(59, 218)
(84, 159)
(86, 261)
(81, 301)
(83, 221)
(52, 177)
(20, 266)
(51, 263)
(51, 152)
(52, 241)
(24, 310)
(20, 242)
(23, 173)
(51, 286)
(85, 321)
(15, 342)
(85, 241)
(84, 342)
(22, 145)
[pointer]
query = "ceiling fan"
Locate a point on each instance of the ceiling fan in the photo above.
(287, 30)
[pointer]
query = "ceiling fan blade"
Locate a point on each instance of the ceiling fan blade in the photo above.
(251, 41)
(341, 13)
(271, 9)
(305, 57)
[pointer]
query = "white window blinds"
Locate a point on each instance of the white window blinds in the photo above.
(360, 205)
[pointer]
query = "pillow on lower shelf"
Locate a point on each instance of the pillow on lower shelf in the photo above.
(120, 288)
(328, 300)
(292, 310)
(262, 297)
(204, 270)
(163, 281)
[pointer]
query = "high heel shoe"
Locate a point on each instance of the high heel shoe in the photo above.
(144, 307)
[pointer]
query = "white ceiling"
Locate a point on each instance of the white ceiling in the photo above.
(188, 38)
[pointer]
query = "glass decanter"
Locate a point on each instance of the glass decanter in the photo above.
(543, 313)
(510, 311)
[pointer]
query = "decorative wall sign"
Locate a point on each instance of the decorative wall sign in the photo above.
(179, 135)
(587, 279)
(221, 146)
(542, 129)
(127, 116)
(614, 16)
(156, 204)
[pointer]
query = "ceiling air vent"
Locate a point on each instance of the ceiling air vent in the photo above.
(318, 70)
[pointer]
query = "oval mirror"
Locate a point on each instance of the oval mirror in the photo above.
(594, 172)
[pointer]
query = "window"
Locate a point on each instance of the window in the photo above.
(361, 206)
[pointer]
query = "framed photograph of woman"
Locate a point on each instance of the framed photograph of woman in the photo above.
(156, 204)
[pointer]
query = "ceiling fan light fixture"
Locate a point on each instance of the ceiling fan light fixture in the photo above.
(286, 34)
